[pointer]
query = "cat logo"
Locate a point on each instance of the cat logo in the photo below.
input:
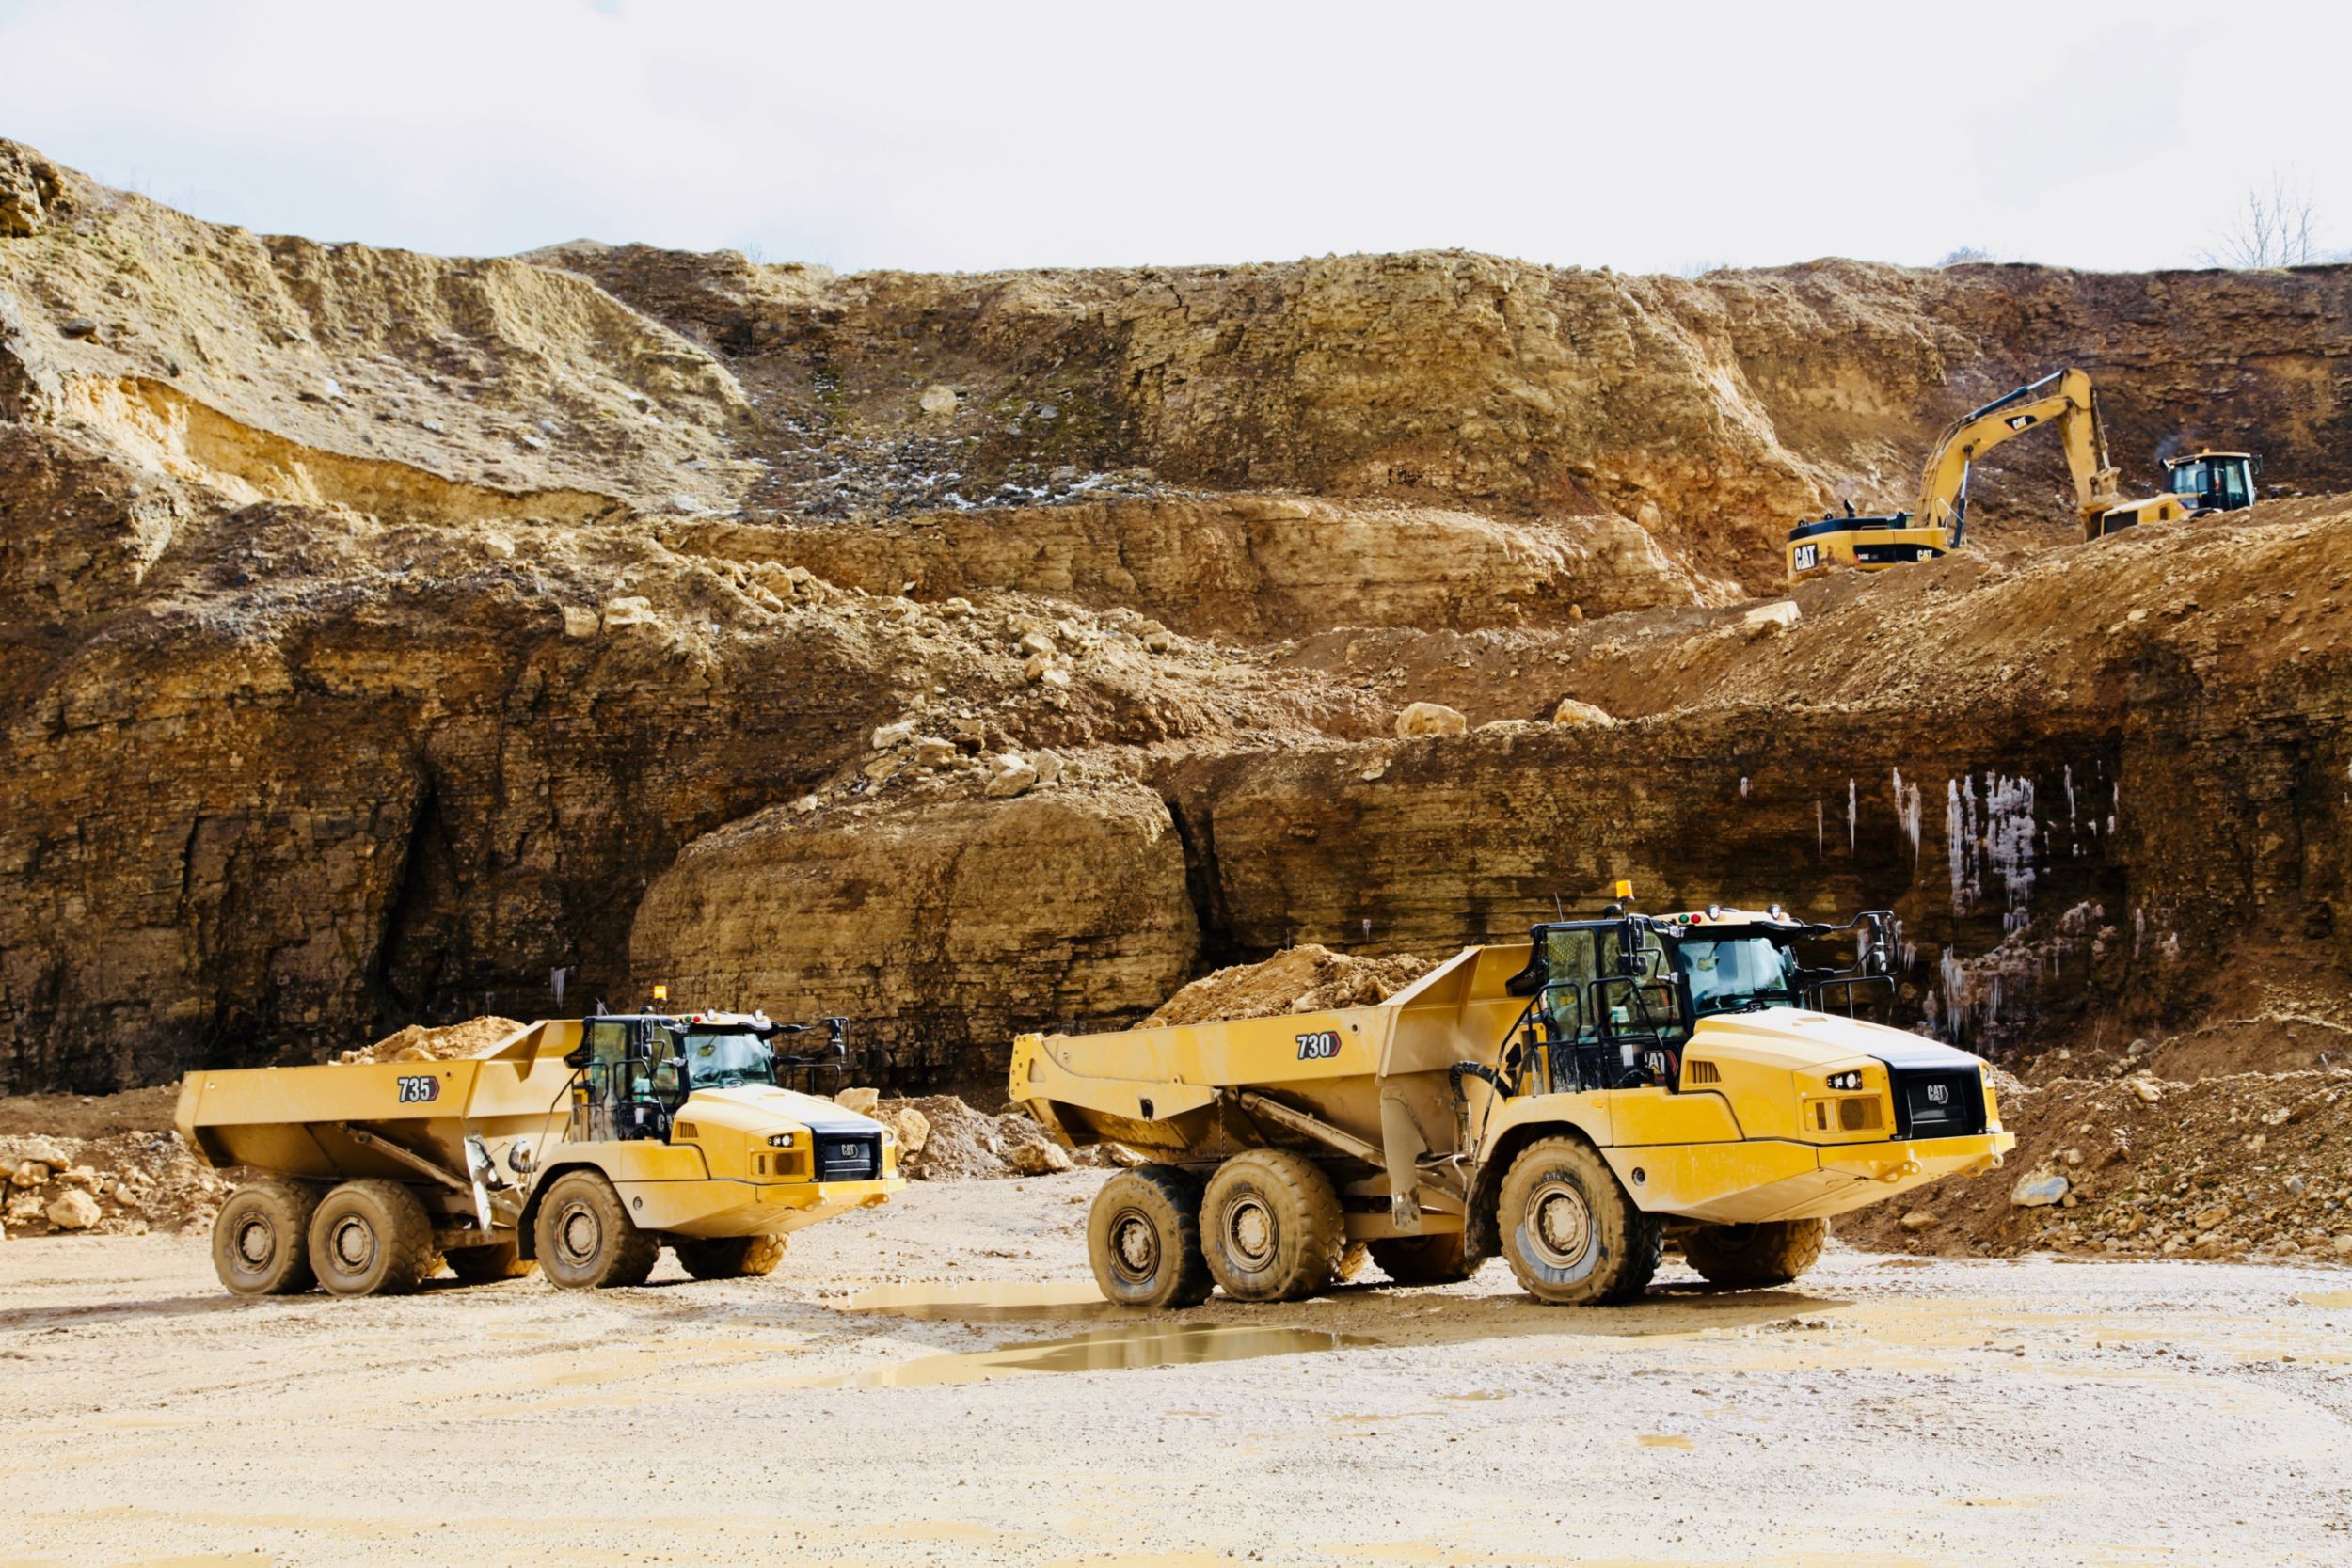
(1806, 559)
(1939, 1094)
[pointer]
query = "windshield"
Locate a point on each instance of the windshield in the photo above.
(1732, 974)
(715, 1061)
(2188, 479)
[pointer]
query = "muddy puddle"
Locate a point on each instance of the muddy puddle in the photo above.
(1123, 1349)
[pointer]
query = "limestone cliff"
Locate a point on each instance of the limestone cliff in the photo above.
(386, 635)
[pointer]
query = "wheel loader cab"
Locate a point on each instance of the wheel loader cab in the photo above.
(2214, 481)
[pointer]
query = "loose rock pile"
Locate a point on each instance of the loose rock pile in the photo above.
(2247, 1166)
(126, 1183)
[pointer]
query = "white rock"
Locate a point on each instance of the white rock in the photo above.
(931, 751)
(1768, 619)
(1048, 765)
(1037, 666)
(805, 804)
(1918, 1220)
(861, 1100)
(2037, 1189)
(2148, 1089)
(29, 1173)
(1430, 719)
(1572, 712)
(49, 1152)
(887, 736)
(1055, 675)
(1037, 644)
(581, 621)
(74, 1210)
(1039, 1159)
(939, 401)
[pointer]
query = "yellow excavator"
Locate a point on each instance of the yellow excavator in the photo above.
(1939, 525)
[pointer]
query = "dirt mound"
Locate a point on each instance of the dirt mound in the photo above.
(125, 1184)
(1305, 979)
(2254, 1164)
(961, 1143)
(418, 1043)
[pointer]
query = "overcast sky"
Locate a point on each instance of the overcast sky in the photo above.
(1656, 136)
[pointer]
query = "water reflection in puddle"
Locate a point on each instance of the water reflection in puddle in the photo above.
(989, 1301)
(1111, 1350)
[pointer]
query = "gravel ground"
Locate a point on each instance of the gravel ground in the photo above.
(911, 1387)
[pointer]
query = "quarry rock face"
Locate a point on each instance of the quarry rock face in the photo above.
(394, 639)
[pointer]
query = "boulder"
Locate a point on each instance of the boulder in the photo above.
(632, 610)
(1039, 1159)
(2037, 1188)
(1430, 719)
(931, 751)
(74, 1210)
(1010, 774)
(580, 620)
(861, 1100)
(914, 1131)
(887, 736)
(1770, 620)
(1048, 765)
(939, 401)
(29, 1173)
(1574, 714)
(1918, 1220)
(49, 1152)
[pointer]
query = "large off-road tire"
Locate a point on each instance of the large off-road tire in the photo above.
(1271, 1227)
(487, 1265)
(1744, 1257)
(730, 1257)
(1424, 1260)
(1572, 1235)
(585, 1238)
(261, 1239)
(1143, 1239)
(371, 1238)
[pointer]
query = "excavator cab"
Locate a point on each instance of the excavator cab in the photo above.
(2214, 481)
(1866, 543)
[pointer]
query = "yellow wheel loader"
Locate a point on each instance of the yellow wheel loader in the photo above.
(1940, 523)
(582, 1146)
(1572, 1102)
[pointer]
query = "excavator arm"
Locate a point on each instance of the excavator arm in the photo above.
(2065, 397)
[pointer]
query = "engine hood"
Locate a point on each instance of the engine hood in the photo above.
(760, 1108)
(1795, 1038)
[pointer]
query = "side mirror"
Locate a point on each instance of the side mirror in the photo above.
(579, 1055)
(666, 1078)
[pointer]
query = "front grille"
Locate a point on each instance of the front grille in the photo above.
(1938, 1102)
(849, 1156)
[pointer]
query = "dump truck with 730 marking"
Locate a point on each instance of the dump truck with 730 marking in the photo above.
(1572, 1102)
(580, 1145)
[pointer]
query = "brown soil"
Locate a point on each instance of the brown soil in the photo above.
(1306, 979)
(70, 1116)
(417, 1044)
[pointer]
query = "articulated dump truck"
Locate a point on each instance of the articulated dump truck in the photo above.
(1572, 1102)
(579, 1145)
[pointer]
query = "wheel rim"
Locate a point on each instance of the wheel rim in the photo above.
(351, 1243)
(1250, 1233)
(256, 1243)
(578, 1234)
(1560, 1224)
(1135, 1246)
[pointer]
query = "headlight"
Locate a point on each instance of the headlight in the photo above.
(1851, 1080)
(781, 1140)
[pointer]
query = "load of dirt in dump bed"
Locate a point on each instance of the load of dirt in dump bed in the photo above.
(1308, 979)
(2253, 1165)
(125, 1184)
(447, 1044)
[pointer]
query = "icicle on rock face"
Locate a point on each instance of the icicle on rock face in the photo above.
(1853, 814)
(1960, 842)
(1908, 810)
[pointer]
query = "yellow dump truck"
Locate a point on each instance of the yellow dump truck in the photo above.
(581, 1145)
(1572, 1102)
